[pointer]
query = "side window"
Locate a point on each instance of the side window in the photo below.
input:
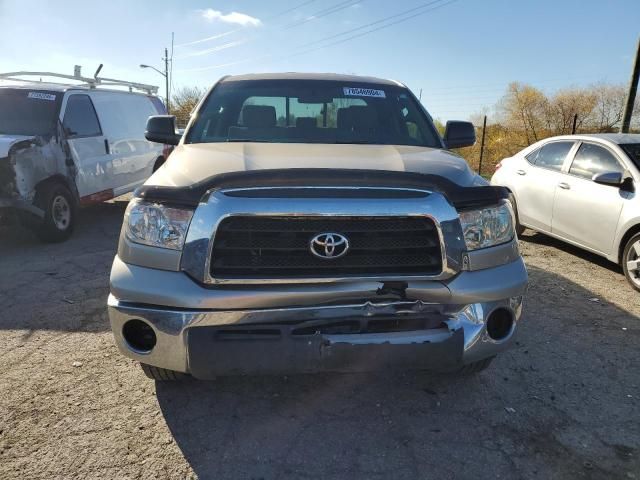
(531, 158)
(80, 118)
(592, 159)
(552, 155)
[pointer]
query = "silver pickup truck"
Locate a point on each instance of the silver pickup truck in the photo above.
(314, 223)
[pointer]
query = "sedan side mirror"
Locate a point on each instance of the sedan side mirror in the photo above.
(162, 129)
(459, 134)
(613, 179)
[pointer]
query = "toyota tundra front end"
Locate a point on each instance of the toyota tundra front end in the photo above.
(314, 223)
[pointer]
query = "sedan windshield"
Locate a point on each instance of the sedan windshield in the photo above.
(312, 111)
(28, 112)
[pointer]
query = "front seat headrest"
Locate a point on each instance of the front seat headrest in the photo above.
(259, 116)
(306, 122)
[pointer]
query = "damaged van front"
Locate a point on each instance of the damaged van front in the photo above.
(30, 151)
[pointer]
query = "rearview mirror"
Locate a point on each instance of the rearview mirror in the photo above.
(162, 129)
(459, 134)
(613, 179)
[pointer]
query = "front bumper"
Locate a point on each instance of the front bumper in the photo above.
(19, 204)
(307, 328)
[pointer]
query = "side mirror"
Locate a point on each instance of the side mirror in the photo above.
(459, 134)
(613, 179)
(162, 129)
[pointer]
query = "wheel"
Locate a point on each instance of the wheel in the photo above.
(475, 367)
(162, 374)
(631, 261)
(59, 207)
(519, 228)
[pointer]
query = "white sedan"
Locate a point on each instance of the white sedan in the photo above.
(582, 189)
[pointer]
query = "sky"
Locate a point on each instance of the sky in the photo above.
(461, 54)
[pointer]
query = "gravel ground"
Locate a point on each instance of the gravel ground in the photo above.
(563, 404)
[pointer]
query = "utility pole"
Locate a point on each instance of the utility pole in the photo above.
(166, 77)
(631, 96)
(484, 129)
(575, 122)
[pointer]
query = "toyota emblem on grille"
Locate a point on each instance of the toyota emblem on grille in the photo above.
(329, 245)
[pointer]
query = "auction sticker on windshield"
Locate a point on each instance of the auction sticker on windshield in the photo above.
(41, 96)
(363, 92)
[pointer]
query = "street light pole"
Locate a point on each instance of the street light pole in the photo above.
(165, 74)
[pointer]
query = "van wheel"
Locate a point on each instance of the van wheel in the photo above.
(475, 367)
(519, 228)
(631, 261)
(162, 374)
(59, 207)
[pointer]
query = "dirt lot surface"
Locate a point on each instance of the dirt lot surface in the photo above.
(565, 403)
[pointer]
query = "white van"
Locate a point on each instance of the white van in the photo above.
(64, 146)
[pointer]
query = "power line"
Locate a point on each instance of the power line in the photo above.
(224, 34)
(346, 32)
(405, 17)
(323, 13)
(387, 25)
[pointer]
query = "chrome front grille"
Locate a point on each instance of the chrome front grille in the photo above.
(278, 247)
(397, 235)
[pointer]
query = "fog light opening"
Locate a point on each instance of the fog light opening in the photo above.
(499, 324)
(139, 335)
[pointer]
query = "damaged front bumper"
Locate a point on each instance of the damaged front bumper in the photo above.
(358, 326)
(20, 205)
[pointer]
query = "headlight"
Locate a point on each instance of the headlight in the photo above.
(157, 225)
(487, 226)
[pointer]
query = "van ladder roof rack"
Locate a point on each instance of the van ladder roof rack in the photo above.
(91, 82)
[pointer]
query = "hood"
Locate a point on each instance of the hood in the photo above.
(192, 163)
(8, 141)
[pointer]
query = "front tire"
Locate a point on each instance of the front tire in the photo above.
(519, 228)
(162, 374)
(631, 261)
(60, 209)
(475, 367)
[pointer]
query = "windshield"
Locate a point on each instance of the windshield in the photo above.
(312, 111)
(28, 112)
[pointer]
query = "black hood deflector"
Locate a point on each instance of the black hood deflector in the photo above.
(460, 197)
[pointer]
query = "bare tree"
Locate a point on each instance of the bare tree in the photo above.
(183, 102)
(565, 104)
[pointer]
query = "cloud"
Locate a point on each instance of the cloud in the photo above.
(235, 18)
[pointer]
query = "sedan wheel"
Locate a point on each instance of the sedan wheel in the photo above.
(631, 261)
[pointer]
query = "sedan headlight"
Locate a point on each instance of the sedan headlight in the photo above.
(157, 225)
(487, 227)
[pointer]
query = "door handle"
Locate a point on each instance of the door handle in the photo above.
(106, 146)
(521, 172)
(564, 186)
